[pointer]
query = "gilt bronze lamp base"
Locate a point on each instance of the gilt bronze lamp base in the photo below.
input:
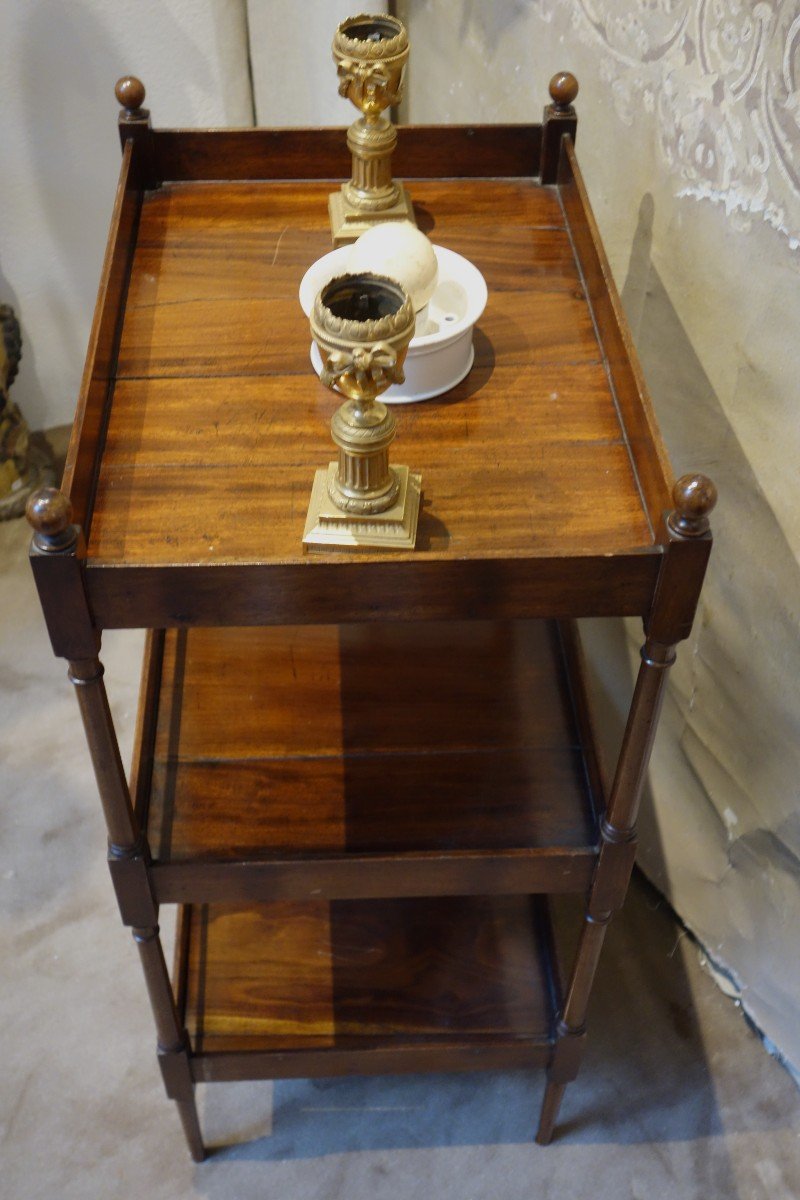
(348, 222)
(370, 53)
(362, 324)
(394, 529)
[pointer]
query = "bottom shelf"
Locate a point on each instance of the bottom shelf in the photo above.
(368, 987)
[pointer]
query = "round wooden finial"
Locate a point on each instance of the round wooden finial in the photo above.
(694, 497)
(49, 513)
(563, 89)
(130, 92)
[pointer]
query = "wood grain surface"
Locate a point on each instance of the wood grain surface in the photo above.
(317, 975)
(433, 686)
(218, 423)
(84, 450)
(424, 151)
(644, 438)
(365, 739)
(387, 798)
(348, 588)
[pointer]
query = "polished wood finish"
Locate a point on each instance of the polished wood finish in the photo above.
(435, 587)
(395, 792)
(250, 374)
(552, 1102)
(370, 760)
(85, 446)
(130, 92)
(471, 150)
(625, 373)
(687, 537)
(694, 498)
(450, 687)
(411, 975)
(559, 121)
(123, 828)
(563, 88)
(58, 554)
(172, 491)
(173, 1044)
(49, 514)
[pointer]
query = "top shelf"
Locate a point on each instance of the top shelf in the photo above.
(201, 422)
(218, 421)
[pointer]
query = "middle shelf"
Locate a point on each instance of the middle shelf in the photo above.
(357, 761)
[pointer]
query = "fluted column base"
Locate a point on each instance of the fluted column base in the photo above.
(349, 222)
(327, 527)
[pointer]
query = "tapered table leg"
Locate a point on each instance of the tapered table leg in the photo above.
(553, 1095)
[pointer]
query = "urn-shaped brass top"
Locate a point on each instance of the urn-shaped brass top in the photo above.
(370, 53)
(362, 324)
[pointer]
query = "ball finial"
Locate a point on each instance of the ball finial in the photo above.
(49, 513)
(694, 497)
(130, 92)
(563, 89)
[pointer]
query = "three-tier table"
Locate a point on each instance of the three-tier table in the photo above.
(361, 776)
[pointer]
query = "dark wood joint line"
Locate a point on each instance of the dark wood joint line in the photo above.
(85, 672)
(130, 876)
(569, 1031)
(176, 1070)
(62, 541)
(611, 879)
(614, 836)
(136, 849)
(568, 1053)
(559, 120)
(146, 935)
(658, 655)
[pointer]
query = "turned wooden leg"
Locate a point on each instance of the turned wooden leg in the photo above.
(128, 861)
(571, 1029)
(610, 883)
(173, 1042)
(553, 1095)
(187, 1111)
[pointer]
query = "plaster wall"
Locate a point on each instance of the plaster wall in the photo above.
(60, 153)
(294, 77)
(689, 141)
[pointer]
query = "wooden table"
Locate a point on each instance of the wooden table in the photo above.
(361, 777)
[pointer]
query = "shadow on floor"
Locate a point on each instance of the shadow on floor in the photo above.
(645, 1078)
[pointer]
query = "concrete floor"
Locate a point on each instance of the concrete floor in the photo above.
(677, 1098)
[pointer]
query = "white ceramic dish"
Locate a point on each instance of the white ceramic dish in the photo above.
(442, 355)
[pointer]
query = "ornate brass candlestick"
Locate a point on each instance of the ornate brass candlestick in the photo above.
(362, 325)
(370, 53)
